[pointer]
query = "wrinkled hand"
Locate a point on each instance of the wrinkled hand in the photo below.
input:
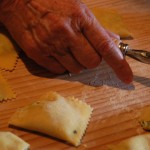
(62, 35)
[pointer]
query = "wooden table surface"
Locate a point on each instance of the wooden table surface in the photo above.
(116, 105)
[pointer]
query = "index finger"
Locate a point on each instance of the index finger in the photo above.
(105, 46)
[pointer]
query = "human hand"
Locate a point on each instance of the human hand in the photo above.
(62, 35)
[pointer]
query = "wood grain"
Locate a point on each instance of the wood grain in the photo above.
(116, 105)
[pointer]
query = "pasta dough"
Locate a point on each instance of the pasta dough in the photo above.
(141, 142)
(8, 54)
(56, 116)
(112, 21)
(9, 141)
(5, 91)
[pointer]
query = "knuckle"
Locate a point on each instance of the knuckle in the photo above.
(78, 11)
(59, 26)
(105, 48)
(83, 16)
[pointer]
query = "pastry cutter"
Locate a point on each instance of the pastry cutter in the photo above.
(139, 55)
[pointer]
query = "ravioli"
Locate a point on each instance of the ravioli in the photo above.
(9, 141)
(8, 53)
(112, 21)
(5, 91)
(140, 142)
(54, 115)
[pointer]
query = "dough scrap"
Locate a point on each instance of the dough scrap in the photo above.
(140, 142)
(8, 54)
(112, 21)
(5, 91)
(144, 118)
(9, 141)
(54, 115)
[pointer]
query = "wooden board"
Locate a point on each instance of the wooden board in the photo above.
(116, 105)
